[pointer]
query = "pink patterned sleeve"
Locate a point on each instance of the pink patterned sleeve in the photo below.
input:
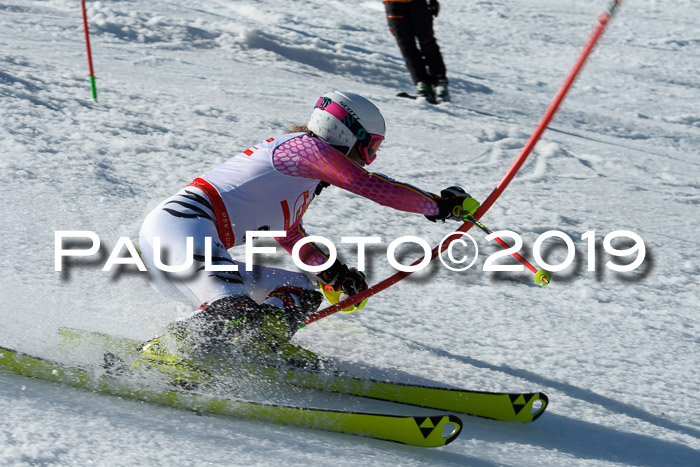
(309, 157)
(309, 254)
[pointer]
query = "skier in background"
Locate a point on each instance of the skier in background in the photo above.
(411, 23)
(269, 187)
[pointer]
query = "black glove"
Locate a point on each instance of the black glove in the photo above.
(340, 277)
(454, 203)
(434, 7)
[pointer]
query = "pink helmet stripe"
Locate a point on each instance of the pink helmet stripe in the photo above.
(333, 108)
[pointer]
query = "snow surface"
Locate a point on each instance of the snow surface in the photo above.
(185, 85)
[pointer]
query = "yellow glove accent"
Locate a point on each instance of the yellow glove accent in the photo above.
(334, 296)
(468, 208)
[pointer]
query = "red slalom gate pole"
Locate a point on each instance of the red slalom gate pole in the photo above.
(603, 19)
(549, 114)
(93, 86)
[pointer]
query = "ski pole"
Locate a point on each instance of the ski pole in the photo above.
(542, 276)
(603, 19)
(93, 86)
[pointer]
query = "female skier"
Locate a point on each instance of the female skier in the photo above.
(269, 187)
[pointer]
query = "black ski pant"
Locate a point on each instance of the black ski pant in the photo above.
(412, 25)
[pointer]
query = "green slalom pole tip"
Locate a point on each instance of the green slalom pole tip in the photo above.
(93, 87)
(543, 277)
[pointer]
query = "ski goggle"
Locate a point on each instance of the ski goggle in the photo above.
(368, 143)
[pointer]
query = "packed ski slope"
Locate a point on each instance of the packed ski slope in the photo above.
(182, 86)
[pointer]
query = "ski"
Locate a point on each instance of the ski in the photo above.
(407, 95)
(503, 406)
(426, 431)
(510, 407)
(435, 101)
